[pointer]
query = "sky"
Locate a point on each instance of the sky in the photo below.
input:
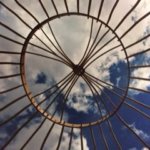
(108, 73)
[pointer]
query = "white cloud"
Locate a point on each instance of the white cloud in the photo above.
(134, 148)
(76, 144)
(140, 132)
(145, 148)
(8, 70)
(141, 73)
(82, 104)
(141, 84)
(52, 140)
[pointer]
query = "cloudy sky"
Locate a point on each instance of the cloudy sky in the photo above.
(115, 79)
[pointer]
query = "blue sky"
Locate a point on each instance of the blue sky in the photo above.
(110, 72)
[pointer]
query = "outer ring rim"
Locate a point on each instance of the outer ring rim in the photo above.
(25, 85)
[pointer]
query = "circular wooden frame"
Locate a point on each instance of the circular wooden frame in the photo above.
(29, 93)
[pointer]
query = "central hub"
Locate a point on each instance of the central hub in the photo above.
(78, 70)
